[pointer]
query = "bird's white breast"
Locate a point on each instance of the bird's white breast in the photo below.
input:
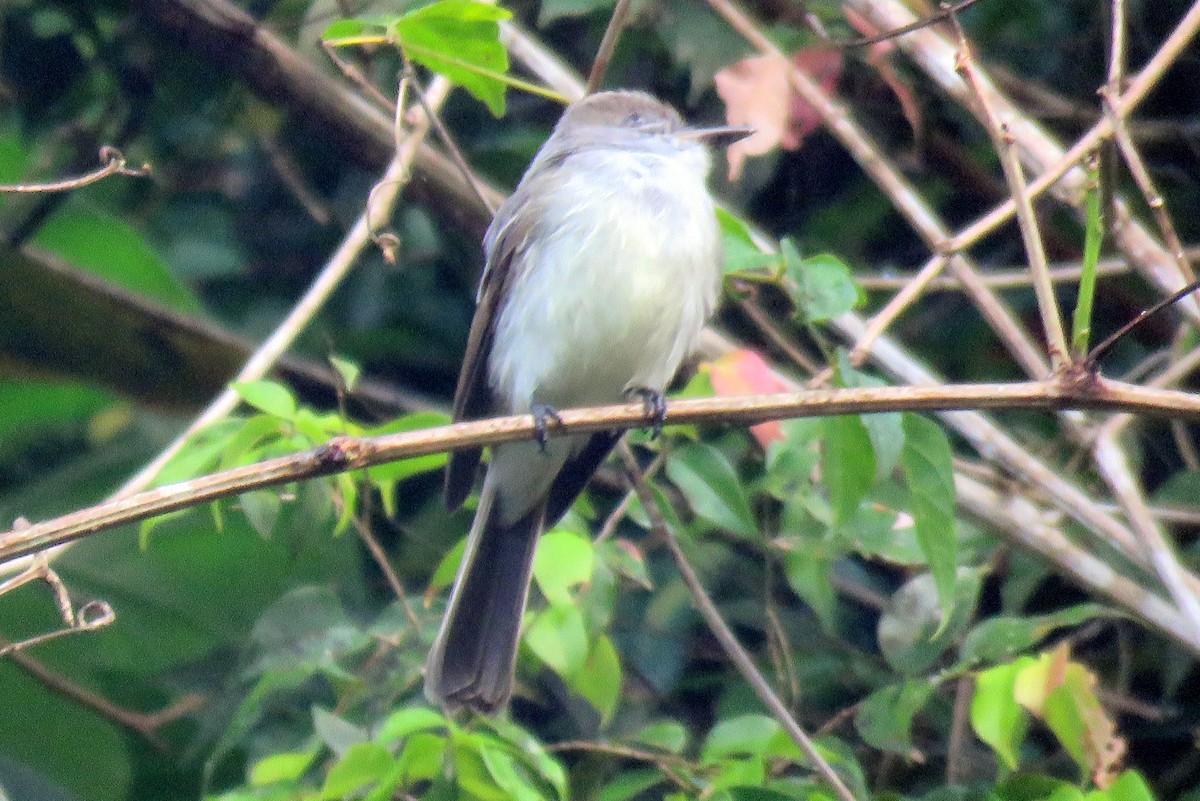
(615, 287)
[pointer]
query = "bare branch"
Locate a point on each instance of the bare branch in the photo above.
(349, 453)
(114, 164)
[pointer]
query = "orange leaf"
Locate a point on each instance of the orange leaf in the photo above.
(744, 372)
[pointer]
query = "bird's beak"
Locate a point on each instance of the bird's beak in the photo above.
(721, 135)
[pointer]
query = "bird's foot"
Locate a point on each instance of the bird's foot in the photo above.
(655, 405)
(542, 415)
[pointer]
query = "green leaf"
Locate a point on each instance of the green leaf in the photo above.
(744, 735)
(625, 559)
(697, 39)
(742, 252)
(347, 487)
(347, 370)
(502, 768)
(336, 732)
(262, 510)
(928, 468)
(914, 631)
(558, 637)
(1081, 325)
(885, 718)
(552, 10)
(881, 534)
(110, 248)
(403, 722)
(533, 756)
(407, 468)
(712, 487)
(345, 29)
(362, 764)
(629, 784)
(285, 767)
(1005, 635)
(886, 429)
(563, 560)
(422, 757)
(1129, 786)
(808, 564)
(848, 464)
(267, 396)
(247, 442)
(822, 286)
(447, 569)
(996, 716)
(1036, 788)
(461, 40)
(668, 735)
(600, 680)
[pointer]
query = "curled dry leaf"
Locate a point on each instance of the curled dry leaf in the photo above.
(757, 92)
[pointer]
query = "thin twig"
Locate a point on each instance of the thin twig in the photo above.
(608, 45)
(356, 77)
(770, 328)
(1125, 143)
(1003, 278)
(667, 763)
(618, 513)
(451, 146)
(1093, 358)
(1056, 167)
(290, 175)
(89, 617)
(114, 164)
(359, 521)
(1014, 175)
(1021, 521)
(725, 636)
(947, 12)
(145, 724)
(908, 294)
(956, 773)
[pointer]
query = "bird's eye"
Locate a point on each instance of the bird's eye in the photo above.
(634, 119)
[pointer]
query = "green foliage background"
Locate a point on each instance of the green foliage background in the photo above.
(126, 305)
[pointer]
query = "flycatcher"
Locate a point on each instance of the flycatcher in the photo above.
(601, 270)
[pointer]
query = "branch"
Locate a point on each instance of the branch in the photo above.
(342, 454)
(114, 164)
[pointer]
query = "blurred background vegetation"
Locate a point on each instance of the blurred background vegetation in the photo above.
(126, 305)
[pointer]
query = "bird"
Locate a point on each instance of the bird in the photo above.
(601, 270)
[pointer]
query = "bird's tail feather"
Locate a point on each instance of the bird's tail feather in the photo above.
(472, 661)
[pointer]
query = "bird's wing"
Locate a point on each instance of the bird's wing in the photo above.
(473, 398)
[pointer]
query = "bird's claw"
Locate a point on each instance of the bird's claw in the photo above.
(542, 415)
(655, 405)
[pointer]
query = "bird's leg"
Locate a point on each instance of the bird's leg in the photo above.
(543, 413)
(655, 404)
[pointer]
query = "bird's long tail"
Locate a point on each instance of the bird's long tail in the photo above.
(472, 661)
